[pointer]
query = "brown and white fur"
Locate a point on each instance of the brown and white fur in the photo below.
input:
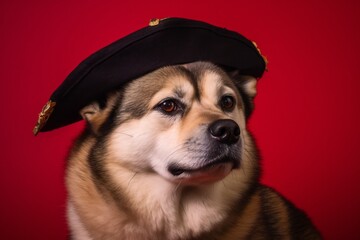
(169, 157)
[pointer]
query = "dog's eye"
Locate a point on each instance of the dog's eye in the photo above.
(169, 106)
(227, 103)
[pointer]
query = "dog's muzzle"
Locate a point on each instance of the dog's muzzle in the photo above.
(222, 154)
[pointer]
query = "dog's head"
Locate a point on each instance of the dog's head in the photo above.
(186, 123)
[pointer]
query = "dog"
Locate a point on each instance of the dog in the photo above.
(168, 156)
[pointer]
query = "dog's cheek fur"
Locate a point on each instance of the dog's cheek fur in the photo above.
(130, 144)
(167, 148)
(138, 142)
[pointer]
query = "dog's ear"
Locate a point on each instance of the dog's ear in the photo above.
(96, 113)
(247, 88)
(92, 114)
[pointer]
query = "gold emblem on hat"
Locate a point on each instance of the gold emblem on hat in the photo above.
(154, 22)
(44, 116)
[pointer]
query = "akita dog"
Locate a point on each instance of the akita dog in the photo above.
(168, 156)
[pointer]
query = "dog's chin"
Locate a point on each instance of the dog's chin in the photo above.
(206, 174)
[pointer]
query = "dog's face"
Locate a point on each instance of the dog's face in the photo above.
(185, 123)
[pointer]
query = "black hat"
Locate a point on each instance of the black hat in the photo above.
(164, 42)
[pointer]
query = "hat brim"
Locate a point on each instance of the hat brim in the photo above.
(172, 41)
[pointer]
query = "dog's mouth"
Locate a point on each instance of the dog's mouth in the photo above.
(208, 173)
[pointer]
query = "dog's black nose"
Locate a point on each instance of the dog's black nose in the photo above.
(225, 131)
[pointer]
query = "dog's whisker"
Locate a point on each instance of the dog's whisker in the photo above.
(223, 183)
(244, 172)
(166, 159)
(126, 134)
(177, 186)
(177, 149)
(131, 179)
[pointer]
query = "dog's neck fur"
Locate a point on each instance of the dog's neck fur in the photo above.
(168, 211)
(177, 211)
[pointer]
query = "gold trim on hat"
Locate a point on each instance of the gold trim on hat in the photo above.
(258, 49)
(44, 116)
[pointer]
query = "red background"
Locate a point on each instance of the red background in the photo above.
(306, 120)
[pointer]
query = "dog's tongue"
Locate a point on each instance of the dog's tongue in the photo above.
(207, 175)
